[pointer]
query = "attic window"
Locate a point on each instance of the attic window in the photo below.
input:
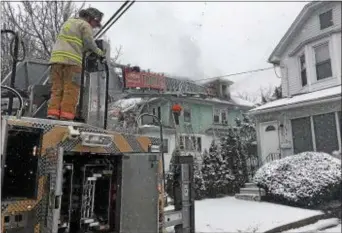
(325, 19)
(224, 89)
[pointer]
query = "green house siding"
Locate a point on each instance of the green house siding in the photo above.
(201, 117)
(164, 109)
(233, 114)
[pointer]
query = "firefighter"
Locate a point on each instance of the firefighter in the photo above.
(75, 37)
(176, 109)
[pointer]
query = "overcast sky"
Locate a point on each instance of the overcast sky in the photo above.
(203, 39)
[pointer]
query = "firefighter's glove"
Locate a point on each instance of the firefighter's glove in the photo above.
(100, 53)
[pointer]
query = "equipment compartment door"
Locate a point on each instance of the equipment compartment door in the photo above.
(54, 171)
(139, 194)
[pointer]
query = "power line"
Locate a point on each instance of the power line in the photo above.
(234, 74)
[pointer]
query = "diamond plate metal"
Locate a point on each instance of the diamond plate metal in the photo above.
(3, 207)
(68, 145)
(112, 149)
(133, 142)
(46, 127)
(155, 141)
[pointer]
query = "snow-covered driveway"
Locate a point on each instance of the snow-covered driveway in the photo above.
(232, 215)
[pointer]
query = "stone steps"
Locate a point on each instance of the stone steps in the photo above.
(248, 197)
(255, 191)
(250, 192)
(250, 185)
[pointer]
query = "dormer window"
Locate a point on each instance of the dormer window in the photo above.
(224, 89)
(303, 70)
(323, 62)
(325, 19)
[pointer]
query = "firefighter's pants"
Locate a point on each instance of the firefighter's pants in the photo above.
(65, 90)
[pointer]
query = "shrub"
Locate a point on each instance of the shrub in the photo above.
(306, 179)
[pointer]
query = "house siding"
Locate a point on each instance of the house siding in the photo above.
(233, 114)
(291, 83)
(201, 117)
(284, 118)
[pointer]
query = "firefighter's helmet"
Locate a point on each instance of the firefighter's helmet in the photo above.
(93, 13)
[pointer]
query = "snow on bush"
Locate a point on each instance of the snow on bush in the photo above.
(305, 179)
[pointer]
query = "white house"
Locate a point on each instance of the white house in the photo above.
(308, 117)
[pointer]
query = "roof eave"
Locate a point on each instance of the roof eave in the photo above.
(277, 52)
(295, 105)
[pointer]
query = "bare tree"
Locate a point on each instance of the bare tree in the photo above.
(267, 94)
(247, 96)
(38, 24)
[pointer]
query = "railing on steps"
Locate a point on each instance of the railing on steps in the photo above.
(272, 157)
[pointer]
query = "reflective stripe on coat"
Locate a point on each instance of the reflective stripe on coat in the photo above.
(75, 37)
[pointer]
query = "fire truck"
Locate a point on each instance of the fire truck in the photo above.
(60, 176)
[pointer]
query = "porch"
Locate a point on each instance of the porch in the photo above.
(313, 127)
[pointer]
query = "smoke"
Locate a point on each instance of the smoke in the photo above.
(190, 55)
(184, 36)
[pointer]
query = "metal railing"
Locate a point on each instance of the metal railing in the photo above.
(273, 156)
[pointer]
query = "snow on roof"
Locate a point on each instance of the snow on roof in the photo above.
(125, 103)
(329, 92)
(242, 102)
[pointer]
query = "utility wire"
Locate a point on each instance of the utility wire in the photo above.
(234, 74)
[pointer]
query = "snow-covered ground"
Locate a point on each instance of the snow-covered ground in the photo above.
(336, 229)
(229, 214)
(321, 224)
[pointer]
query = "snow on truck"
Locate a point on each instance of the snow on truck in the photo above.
(62, 176)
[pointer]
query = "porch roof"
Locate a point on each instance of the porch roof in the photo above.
(298, 100)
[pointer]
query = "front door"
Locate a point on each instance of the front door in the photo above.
(269, 136)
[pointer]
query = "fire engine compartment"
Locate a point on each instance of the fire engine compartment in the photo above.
(89, 193)
(90, 200)
(20, 170)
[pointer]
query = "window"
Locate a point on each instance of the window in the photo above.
(181, 143)
(325, 19)
(302, 135)
(325, 132)
(159, 113)
(166, 146)
(323, 62)
(187, 115)
(190, 143)
(199, 143)
(216, 116)
(224, 117)
(221, 116)
(156, 112)
(224, 91)
(147, 120)
(303, 70)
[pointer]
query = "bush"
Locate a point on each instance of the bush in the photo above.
(306, 179)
